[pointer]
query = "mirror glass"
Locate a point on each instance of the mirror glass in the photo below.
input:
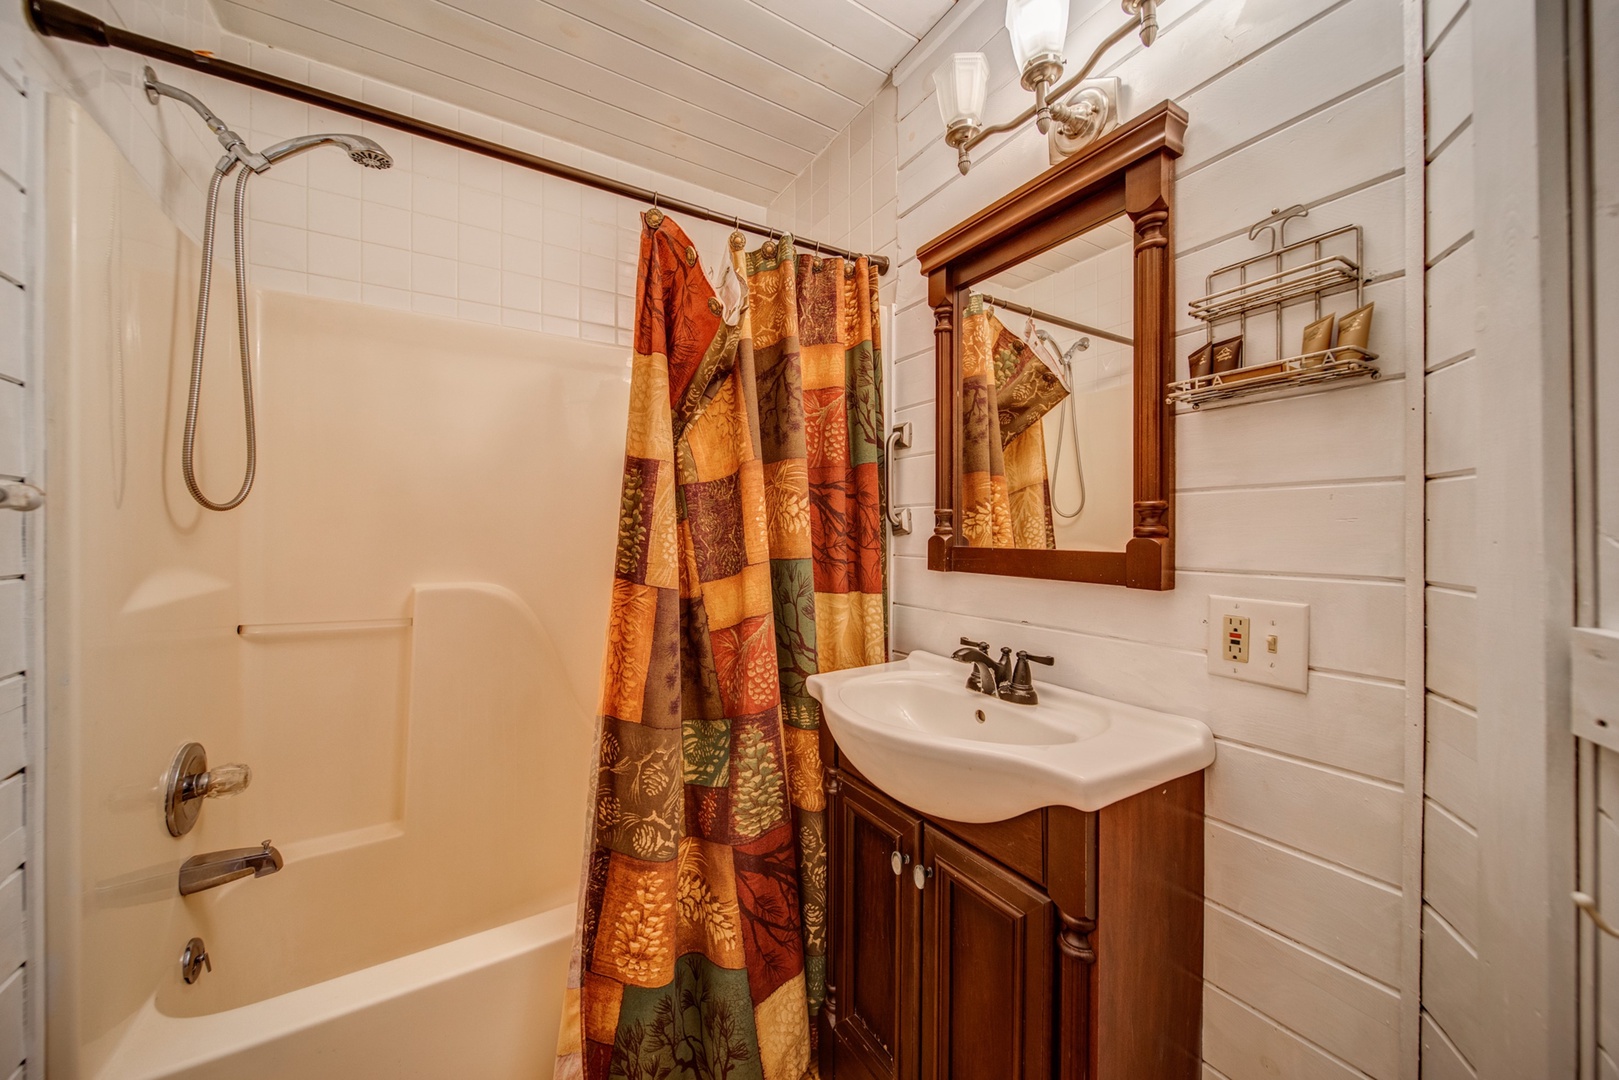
(1048, 362)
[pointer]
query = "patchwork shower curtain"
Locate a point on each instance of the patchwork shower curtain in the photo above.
(750, 556)
(1006, 389)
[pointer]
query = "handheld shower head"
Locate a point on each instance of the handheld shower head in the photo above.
(1067, 354)
(361, 150)
(372, 157)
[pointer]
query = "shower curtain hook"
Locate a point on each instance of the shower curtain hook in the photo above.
(654, 216)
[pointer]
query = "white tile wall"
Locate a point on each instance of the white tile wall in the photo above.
(849, 196)
(444, 232)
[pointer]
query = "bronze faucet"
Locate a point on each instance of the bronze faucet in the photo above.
(998, 678)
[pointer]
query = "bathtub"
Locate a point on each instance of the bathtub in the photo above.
(400, 632)
(484, 1007)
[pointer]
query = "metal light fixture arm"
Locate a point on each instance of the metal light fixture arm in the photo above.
(1047, 105)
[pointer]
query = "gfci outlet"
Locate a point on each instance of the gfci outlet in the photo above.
(1262, 641)
(1234, 632)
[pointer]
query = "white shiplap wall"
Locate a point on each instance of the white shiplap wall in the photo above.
(1291, 101)
(19, 538)
(1450, 887)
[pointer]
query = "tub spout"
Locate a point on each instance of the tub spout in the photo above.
(217, 867)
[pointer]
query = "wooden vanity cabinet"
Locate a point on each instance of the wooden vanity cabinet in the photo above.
(1060, 945)
(986, 967)
(875, 933)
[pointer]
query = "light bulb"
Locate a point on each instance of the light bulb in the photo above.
(962, 83)
(1039, 30)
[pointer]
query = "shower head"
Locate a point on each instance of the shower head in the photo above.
(1078, 346)
(361, 150)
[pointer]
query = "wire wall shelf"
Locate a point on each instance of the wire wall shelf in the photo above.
(1310, 369)
(1306, 272)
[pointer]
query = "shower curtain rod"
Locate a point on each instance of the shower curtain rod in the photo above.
(53, 19)
(1055, 320)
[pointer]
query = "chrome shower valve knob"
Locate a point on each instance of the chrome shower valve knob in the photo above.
(190, 780)
(221, 780)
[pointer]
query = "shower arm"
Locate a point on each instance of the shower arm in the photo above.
(236, 148)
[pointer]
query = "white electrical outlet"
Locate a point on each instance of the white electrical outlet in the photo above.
(1262, 641)
(1234, 631)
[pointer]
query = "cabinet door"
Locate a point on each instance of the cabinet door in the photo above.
(875, 931)
(987, 944)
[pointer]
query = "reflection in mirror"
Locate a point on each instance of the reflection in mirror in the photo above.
(1047, 363)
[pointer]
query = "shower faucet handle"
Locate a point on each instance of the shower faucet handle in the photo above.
(190, 780)
(229, 779)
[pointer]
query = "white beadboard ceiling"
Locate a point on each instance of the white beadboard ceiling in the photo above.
(736, 95)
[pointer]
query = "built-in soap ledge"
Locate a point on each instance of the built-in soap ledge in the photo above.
(271, 631)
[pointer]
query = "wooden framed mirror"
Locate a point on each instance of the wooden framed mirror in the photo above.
(1054, 336)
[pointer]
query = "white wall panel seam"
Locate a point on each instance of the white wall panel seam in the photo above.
(1415, 342)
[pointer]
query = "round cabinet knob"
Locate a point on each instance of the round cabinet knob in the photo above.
(920, 875)
(897, 860)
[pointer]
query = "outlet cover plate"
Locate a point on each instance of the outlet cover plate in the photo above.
(1288, 668)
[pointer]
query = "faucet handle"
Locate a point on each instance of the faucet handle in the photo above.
(1020, 689)
(189, 780)
(981, 646)
(229, 779)
(1021, 678)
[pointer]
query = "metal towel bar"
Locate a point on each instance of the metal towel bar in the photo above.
(899, 438)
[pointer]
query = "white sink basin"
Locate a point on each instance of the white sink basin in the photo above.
(915, 730)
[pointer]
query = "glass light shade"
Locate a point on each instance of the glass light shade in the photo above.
(962, 83)
(1037, 28)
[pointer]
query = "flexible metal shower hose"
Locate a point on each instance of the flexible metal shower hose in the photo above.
(1064, 419)
(194, 396)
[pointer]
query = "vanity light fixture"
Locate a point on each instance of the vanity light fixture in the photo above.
(962, 84)
(1038, 29)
